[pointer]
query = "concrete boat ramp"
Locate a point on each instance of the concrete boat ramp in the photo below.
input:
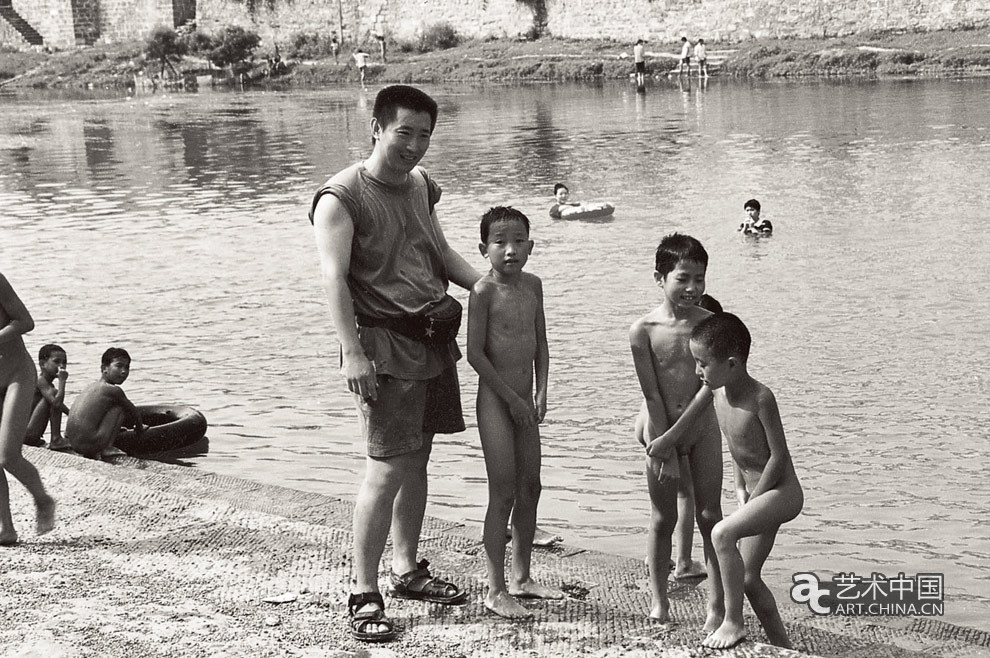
(153, 559)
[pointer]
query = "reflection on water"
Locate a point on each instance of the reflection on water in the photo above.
(175, 226)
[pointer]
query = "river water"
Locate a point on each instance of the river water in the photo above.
(175, 226)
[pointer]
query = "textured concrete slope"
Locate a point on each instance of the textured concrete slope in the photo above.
(150, 559)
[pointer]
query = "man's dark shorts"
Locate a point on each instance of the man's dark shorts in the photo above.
(640, 67)
(407, 409)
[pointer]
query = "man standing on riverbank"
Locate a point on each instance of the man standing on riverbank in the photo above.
(386, 265)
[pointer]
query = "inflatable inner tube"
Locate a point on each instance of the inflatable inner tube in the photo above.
(587, 210)
(170, 427)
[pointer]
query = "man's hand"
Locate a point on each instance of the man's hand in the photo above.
(361, 377)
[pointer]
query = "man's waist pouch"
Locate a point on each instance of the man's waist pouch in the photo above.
(437, 326)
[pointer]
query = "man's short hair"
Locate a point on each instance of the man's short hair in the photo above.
(558, 187)
(501, 214)
(676, 247)
(114, 353)
(46, 351)
(390, 99)
(725, 335)
(752, 203)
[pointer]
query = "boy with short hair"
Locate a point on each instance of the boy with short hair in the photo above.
(684, 65)
(766, 485)
(99, 413)
(506, 345)
(701, 54)
(677, 417)
(49, 399)
(753, 224)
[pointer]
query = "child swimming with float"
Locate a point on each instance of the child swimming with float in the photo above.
(564, 208)
(767, 487)
(507, 346)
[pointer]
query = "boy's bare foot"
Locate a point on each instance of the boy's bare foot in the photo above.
(541, 537)
(8, 538)
(112, 451)
(504, 605)
(533, 590)
(693, 569)
(660, 612)
(60, 443)
(45, 519)
(727, 635)
(713, 621)
(545, 539)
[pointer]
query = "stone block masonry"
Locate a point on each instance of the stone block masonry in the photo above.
(65, 23)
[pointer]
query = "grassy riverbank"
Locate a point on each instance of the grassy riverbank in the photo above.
(963, 52)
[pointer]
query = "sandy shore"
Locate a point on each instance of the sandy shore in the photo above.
(151, 559)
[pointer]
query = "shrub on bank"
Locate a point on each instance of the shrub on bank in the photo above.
(308, 45)
(439, 36)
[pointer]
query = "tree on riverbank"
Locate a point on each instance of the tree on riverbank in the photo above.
(233, 46)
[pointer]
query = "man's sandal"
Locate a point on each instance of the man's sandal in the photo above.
(420, 585)
(361, 620)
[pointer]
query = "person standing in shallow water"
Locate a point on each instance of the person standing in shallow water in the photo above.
(18, 379)
(386, 264)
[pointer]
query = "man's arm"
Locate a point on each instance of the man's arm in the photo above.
(774, 469)
(642, 353)
(334, 233)
(54, 396)
(521, 410)
(130, 411)
(542, 361)
(669, 439)
(459, 271)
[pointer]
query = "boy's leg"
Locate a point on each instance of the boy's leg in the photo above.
(663, 519)
(528, 460)
(754, 551)
(496, 430)
(13, 424)
(38, 421)
(706, 470)
(685, 567)
(759, 520)
(55, 422)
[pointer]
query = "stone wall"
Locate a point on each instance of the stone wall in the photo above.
(74, 22)
(67, 23)
(736, 20)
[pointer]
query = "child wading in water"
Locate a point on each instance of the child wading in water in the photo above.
(18, 379)
(506, 344)
(677, 418)
(766, 485)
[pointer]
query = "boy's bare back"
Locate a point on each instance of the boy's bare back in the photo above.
(91, 407)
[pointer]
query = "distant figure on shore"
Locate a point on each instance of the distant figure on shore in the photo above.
(754, 225)
(507, 346)
(684, 65)
(49, 399)
(640, 60)
(335, 48)
(361, 60)
(701, 54)
(101, 412)
(18, 380)
(767, 486)
(380, 36)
